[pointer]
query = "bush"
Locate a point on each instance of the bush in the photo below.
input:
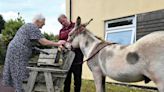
(8, 33)
(51, 37)
(2, 52)
(10, 29)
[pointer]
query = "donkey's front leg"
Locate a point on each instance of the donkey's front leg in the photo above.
(99, 79)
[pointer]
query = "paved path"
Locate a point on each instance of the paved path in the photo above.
(5, 89)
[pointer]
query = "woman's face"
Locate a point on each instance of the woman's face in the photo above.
(41, 23)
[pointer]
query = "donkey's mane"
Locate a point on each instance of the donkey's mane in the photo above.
(96, 36)
(99, 38)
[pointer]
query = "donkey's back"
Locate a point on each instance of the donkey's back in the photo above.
(151, 46)
(140, 61)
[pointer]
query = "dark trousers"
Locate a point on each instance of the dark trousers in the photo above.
(76, 70)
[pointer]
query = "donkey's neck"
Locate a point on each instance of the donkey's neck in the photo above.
(88, 44)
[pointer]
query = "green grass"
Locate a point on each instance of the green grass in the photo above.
(1, 68)
(88, 86)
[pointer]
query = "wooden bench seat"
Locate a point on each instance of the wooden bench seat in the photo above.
(47, 76)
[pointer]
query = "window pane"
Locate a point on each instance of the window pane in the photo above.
(123, 37)
(120, 23)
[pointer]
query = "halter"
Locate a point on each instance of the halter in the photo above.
(97, 49)
(80, 29)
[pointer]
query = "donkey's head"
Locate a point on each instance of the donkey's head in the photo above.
(78, 33)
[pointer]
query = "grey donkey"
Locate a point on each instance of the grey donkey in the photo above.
(143, 60)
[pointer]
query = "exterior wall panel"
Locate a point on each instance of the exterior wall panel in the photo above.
(150, 22)
(104, 10)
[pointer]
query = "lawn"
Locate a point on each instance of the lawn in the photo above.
(88, 86)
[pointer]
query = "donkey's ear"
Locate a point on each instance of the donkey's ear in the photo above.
(78, 21)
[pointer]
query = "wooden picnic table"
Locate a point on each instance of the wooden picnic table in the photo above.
(47, 76)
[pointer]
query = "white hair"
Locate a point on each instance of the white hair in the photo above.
(38, 17)
(62, 15)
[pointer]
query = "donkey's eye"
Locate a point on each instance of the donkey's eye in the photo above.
(86, 43)
(69, 34)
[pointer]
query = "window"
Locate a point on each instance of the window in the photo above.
(122, 31)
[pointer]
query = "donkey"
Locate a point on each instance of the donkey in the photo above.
(143, 60)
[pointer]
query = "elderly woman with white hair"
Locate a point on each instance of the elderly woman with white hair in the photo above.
(19, 52)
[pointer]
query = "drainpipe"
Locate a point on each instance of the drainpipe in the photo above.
(70, 7)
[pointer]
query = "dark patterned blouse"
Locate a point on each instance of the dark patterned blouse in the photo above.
(18, 54)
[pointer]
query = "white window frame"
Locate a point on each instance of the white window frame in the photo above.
(122, 28)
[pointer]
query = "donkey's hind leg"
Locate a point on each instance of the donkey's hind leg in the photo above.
(160, 86)
(99, 80)
(156, 75)
(158, 79)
